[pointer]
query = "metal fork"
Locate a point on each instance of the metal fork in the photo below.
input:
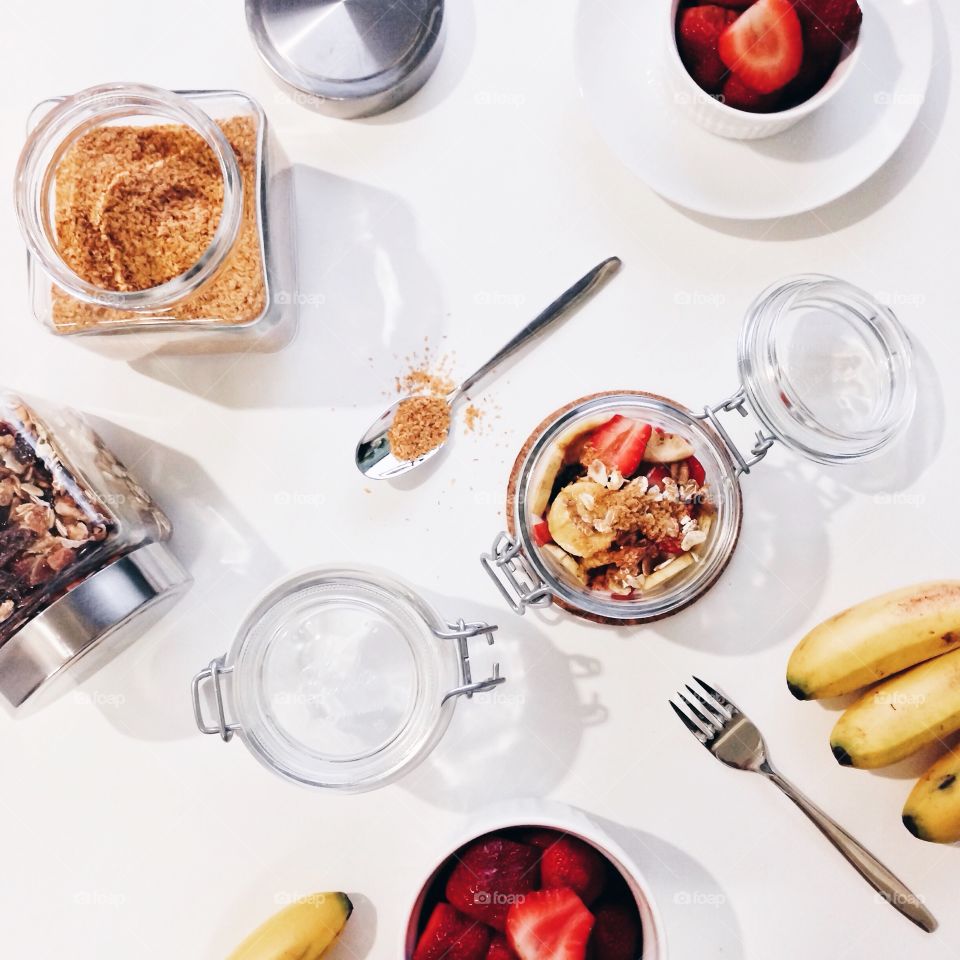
(735, 740)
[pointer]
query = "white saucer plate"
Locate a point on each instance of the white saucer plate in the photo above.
(620, 57)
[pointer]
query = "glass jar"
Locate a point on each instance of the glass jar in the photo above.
(164, 218)
(340, 679)
(824, 367)
(82, 552)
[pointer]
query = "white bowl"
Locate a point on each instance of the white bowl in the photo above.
(553, 816)
(718, 118)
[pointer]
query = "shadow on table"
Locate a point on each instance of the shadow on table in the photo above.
(876, 192)
(230, 565)
(781, 564)
(697, 914)
(366, 299)
(521, 738)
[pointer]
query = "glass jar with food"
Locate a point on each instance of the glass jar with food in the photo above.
(82, 548)
(341, 679)
(625, 507)
(165, 217)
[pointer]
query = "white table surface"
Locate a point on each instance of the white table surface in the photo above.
(125, 833)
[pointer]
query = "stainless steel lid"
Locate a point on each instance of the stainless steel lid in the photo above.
(349, 58)
(95, 614)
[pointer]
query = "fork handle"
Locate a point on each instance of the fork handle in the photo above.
(890, 887)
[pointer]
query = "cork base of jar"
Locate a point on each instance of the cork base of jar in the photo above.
(512, 492)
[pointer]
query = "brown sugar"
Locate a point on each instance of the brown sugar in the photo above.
(421, 424)
(137, 206)
(472, 417)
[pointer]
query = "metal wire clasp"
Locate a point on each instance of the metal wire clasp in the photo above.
(213, 673)
(762, 443)
(516, 580)
(462, 632)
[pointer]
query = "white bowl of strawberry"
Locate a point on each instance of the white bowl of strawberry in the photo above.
(748, 69)
(539, 882)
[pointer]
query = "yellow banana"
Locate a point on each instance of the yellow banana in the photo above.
(302, 931)
(876, 639)
(565, 531)
(899, 716)
(932, 811)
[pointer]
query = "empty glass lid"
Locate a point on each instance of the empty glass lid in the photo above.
(827, 368)
(341, 679)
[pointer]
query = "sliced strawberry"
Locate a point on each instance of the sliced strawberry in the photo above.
(814, 73)
(697, 473)
(490, 876)
(616, 934)
(540, 838)
(698, 38)
(449, 935)
(550, 925)
(657, 475)
(738, 95)
(735, 4)
(574, 864)
(670, 545)
(541, 533)
(764, 45)
(828, 24)
(500, 949)
(619, 443)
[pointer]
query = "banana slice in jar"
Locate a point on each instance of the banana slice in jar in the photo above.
(666, 448)
(566, 562)
(564, 450)
(566, 528)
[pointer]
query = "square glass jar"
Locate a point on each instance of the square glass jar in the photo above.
(83, 550)
(238, 295)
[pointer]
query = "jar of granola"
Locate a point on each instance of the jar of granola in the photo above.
(82, 549)
(341, 679)
(162, 217)
(625, 507)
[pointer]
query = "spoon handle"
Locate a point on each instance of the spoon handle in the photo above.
(556, 311)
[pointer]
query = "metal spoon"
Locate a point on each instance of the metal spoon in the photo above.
(374, 458)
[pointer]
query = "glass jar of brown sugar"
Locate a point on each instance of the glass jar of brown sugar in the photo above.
(158, 221)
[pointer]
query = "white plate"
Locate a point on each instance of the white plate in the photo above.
(620, 57)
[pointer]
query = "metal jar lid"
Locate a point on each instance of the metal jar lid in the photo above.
(349, 58)
(93, 615)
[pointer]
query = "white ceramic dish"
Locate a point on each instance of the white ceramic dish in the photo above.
(624, 76)
(716, 117)
(555, 816)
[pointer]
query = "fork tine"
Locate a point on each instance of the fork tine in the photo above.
(711, 725)
(689, 724)
(720, 714)
(731, 708)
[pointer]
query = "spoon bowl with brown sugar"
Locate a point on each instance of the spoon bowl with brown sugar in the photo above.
(416, 428)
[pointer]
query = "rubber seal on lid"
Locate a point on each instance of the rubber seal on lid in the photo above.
(827, 368)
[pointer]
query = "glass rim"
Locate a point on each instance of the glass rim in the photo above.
(74, 115)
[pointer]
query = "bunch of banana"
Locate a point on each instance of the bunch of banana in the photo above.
(305, 930)
(909, 641)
